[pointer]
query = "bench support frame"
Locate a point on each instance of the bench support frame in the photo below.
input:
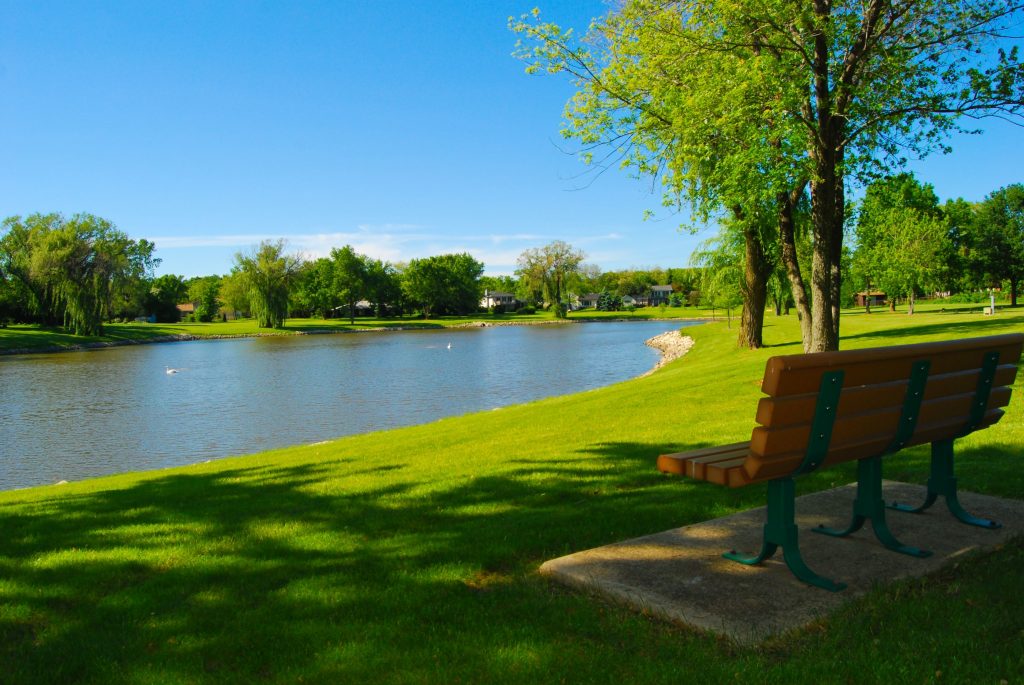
(780, 531)
(869, 505)
(942, 482)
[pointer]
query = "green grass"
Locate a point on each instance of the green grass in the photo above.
(22, 337)
(410, 556)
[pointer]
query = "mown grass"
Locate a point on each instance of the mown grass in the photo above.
(410, 556)
(26, 337)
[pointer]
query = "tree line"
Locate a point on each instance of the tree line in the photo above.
(82, 272)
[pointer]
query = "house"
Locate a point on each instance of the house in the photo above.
(629, 301)
(589, 300)
(493, 298)
(873, 298)
(186, 310)
(660, 294)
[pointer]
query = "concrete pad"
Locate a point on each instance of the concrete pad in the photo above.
(680, 574)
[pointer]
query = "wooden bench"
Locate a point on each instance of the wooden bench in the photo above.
(832, 407)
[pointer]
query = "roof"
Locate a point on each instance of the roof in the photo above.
(186, 308)
(661, 288)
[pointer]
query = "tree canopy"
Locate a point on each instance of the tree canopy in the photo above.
(742, 104)
(268, 274)
(74, 271)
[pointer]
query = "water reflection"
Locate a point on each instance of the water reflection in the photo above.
(79, 414)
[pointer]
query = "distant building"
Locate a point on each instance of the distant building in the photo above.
(186, 310)
(493, 298)
(660, 294)
(874, 298)
(589, 300)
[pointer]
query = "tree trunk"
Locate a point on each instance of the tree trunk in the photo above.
(826, 198)
(910, 303)
(787, 229)
(757, 271)
(1013, 292)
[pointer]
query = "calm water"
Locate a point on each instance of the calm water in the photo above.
(75, 415)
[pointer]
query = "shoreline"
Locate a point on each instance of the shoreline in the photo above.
(188, 337)
(672, 346)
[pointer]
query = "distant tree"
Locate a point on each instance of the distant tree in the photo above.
(444, 284)
(997, 253)
(900, 234)
(383, 286)
(234, 292)
(268, 274)
(500, 284)
(203, 291)
(349, 278)
(550, 267)
(314, 288)
(165, 293)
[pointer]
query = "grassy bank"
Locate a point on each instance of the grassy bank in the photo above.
(410, 556)
(32, 338)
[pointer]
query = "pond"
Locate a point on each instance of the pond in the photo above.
(76, 415)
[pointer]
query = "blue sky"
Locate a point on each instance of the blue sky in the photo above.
(403, 128)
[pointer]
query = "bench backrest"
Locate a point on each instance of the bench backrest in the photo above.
(874, 402)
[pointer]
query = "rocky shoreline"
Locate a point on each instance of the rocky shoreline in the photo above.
(672, 346)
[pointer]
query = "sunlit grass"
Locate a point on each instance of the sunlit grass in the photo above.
(410, 555)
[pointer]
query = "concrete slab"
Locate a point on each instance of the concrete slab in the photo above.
(680, 574)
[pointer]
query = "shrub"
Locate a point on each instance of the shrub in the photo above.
(527, 309)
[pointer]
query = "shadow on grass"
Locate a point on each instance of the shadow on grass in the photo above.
(319, 572)
(968, 328)
(264, 573)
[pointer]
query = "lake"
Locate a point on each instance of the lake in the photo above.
(76, 415)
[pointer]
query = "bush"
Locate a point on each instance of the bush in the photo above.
(527, 309)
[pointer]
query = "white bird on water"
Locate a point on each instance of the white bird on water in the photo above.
(169, 371)
(449, 346)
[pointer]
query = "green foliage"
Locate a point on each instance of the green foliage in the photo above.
(268, 275)
(743, 103)
(998, 239)
(350, 278)
(203, 291)
(314, 290)
(901, 234)
(165, 293)
(75, 271)
(444, 284)
(549, 269)
(234, 292)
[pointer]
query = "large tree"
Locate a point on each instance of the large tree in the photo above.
(268, 274)
(998, 239)
(732, 103)
(444, 284)
(75, 271)
(350, 278)
(549, 268)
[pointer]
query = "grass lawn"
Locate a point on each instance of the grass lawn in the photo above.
(32, 338)
(410, 556)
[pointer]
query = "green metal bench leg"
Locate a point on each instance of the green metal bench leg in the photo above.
(780, 531)
(869, 505)
(942, 483)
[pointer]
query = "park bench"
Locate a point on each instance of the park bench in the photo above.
(828, 408)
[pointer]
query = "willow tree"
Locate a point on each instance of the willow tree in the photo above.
(73, 270)
(268, 274)
(738, 105)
